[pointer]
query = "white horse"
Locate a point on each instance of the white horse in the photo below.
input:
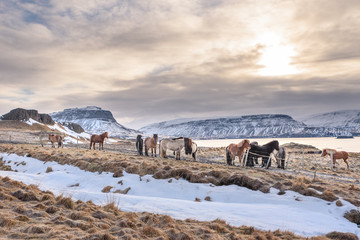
(176, 145)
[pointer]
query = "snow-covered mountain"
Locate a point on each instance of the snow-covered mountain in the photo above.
(263, 125)
(94, 120)
(347, 120)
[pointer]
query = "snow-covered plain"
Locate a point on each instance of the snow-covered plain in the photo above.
(307, 216)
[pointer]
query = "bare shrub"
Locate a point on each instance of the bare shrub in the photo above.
(328, 196)
(107, 189)
(342, 236)
(99, 214)
(207, 198)
(125, 191)
(24, 196)
(339, 203)
(7, 222)
(67, 202)
(46, 197)
(150, 231)
(22, 218)
(51, 210)
(353, 216)
(49, 169)
(36, 229)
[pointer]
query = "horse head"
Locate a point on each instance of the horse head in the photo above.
(276, 145)
(155, 136)
(324, 153)
(106, 135)
(246, 144)
(138, 137)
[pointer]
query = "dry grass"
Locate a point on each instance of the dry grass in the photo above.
(329, 184)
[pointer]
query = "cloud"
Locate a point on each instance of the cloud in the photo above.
(155, 60)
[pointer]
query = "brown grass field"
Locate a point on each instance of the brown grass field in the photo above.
(53, 217)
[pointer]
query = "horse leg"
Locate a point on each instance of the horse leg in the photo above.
(345, 160)
(90, 144)
(155, 150)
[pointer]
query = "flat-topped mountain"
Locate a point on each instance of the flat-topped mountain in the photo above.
(94, 120)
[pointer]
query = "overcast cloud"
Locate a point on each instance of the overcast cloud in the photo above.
(149, 61)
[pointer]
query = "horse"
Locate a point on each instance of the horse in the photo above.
(139, 144)
(98, 139)
(151, 142)
(262, 151)
(336, 155)
(280, 157)
(234, 150)
(56, 139)
(176, 145)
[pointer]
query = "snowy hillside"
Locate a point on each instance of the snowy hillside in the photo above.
(94, 120)
(265, 125)
(349, 120)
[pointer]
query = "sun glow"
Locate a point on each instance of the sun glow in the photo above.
(276, 56)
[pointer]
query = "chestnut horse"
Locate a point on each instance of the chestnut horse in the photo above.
(234, 150)
(98, 139)
(56, 139)
(151, 142)
(336, 155)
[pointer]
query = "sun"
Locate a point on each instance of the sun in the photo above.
(276, 56)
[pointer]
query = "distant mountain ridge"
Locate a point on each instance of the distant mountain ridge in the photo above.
(94, 120)
(262, 125)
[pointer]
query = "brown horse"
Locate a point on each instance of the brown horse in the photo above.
(336, 155)
(234, 150)
(151, 142)
(56, 139)
(98, 139)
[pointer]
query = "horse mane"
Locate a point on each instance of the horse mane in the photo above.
(177, 138)
(188, 146)
(138, 137)
(240, 144)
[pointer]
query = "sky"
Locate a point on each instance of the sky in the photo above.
(151, 61)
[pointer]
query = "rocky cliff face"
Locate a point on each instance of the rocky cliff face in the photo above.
(20, 114)
(94, 120)
(73, 127)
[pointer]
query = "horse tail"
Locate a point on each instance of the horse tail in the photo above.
(161, 151)
(60, 141)
(228, 157)
(188, 145)
(146, 149)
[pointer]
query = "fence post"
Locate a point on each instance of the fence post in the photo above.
(303, 153)
(287, 161)
(331, 160)
(247, 154)
(315, 169)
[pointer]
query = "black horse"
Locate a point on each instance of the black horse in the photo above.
(262, 151)
(139, 144)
